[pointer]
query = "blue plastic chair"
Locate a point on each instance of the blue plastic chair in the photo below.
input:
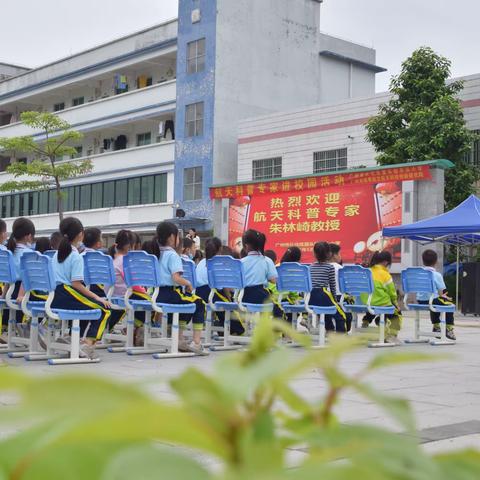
(8, 277)
(142, 269)
(32, 274)
(50, 253)
(189, 272)
(421, 280)
(318, 313)
(293, 277)
(38, 275)
(225, 272)
(354, 281)
(98, 270)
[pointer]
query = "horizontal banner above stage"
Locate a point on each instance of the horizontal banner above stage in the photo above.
(398, 174)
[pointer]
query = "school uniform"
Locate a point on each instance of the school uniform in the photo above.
(348, 300)
(170, 293)
(258, 269)
(324, 294)
(20, 249)
(67, 297)
(424, 299)
(203, 291)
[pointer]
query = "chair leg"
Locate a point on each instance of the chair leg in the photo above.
(228, 344)
(74, 349)
(208, 327)
(14, 342)
(174, 353)
(149, 344)
(417, 334)
(34, 348)
(443, 327)
(381, 340)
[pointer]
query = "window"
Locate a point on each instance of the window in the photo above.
(121, 193)
(144, 139)
(108, 194)
(134, 191)
(78, 101)
(59, 106)
(473, 157)
(148, 186)
(196, 56)
(194, 120)
(127, 191)
(4, 163)
(267, 168)
(79, 152)
(192, 183)
(330, 160)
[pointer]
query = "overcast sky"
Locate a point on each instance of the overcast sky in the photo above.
(35, 32)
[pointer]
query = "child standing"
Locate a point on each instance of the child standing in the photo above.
(430, 259)
(259, 272)
(384, 295)
(171, 270)
(324, 288)
(71, 292)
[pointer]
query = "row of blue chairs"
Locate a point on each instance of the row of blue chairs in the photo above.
(142, 269)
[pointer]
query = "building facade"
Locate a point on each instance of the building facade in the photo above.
(160, 109)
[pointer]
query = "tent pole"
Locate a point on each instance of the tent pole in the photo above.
(458, 276)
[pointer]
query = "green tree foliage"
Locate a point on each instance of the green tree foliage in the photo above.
(424, 121)
(244, 414)
(44, 171)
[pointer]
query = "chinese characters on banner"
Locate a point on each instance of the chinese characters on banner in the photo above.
(352, 216)
(368, 177)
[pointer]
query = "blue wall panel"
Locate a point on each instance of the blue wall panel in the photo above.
(193, 88)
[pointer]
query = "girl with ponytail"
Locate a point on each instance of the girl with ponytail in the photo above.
(125, 241)
(20, 242)
(71, 292)
(172, 281)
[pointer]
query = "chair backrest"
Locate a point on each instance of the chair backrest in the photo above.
(141, 269)
(189, 272)
(418, 280)
(225, 272)
(294, 277)
(37, 272)
(7, 267)
(50, 253)
(98, 269)
(354, 280)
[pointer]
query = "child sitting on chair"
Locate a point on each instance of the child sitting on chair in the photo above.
(384, 295)
(430, 259)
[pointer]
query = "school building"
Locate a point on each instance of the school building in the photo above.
(316, 146)
(160, 109)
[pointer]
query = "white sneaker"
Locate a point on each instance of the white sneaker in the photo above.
(198, 349)
(393, 339)
(88, 351)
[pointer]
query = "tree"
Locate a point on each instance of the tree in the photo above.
(424, 121)
(44, 171)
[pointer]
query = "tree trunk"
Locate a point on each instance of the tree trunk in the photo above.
(59, 199)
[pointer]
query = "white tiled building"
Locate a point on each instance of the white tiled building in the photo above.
(324, 137)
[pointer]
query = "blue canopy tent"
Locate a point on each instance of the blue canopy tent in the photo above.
(458, 227)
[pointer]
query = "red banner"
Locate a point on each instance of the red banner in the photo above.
(352, 216)
(368, 177)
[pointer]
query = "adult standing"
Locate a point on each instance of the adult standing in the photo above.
(192, 234)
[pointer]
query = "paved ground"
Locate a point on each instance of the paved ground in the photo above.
(445, 395)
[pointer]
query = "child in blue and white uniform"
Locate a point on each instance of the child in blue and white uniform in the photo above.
(171, 283)
(212, 249)
(71, 293)
(20, 242)
(259, 271)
